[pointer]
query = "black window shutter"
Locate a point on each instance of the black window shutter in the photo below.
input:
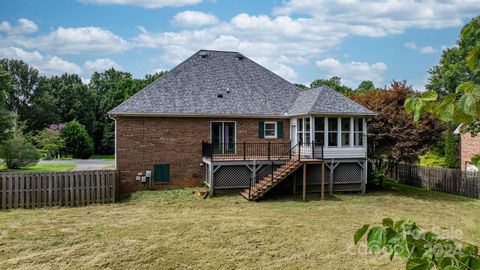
(261, 129)
(280, 129)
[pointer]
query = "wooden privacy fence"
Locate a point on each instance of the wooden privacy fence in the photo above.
(75, 188)
(453, 181)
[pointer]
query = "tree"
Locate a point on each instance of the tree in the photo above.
(463, 105)
(301, 86)
(24, 82)
(451, 153)
(6, 119)
(334, 82)
(365, 86)
(17, 153)
(393, 136)
(452, 70)
(77, 141)
(50, 140)
(111, 88)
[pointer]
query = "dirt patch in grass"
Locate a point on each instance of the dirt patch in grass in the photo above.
(176, 229)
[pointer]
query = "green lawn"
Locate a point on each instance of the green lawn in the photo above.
(176, 229)
(103, 157)
(42, 168)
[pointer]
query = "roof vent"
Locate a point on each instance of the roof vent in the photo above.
(240, 57)
(203, 54)
(228, 90)
(220, 95)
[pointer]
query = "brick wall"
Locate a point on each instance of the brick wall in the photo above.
(469, 146)
(144, 142)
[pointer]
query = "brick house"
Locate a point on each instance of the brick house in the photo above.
(220, 118)
(469, 147)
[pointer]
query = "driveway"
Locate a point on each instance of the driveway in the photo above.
(82, 164)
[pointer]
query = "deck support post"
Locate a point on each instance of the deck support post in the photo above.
(330, 186)
(323, 181)
(212, 181)
(304, 181)
(294, 182)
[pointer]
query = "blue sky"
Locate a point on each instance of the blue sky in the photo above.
(298, 39)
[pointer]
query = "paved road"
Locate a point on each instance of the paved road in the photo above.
(82, 164)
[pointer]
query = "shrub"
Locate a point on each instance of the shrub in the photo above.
(433, 159)
(50, 141)
(17, 153)
(377, 176)
(451, 153)
(77, 141)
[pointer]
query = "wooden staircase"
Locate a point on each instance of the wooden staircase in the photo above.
(268, 182)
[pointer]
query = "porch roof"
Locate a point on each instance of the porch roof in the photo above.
(324, 100)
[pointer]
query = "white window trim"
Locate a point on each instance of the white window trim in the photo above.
(265, 130)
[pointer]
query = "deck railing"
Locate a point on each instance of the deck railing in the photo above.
(260, 151)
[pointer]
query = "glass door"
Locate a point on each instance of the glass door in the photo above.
(223, 137)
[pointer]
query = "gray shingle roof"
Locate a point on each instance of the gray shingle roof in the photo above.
(248, 89)
(324, 100)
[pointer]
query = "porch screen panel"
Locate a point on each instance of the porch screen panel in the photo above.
(345, 131)
(300, 129)
(306, 132)
(332, 131)
(358, 130)
(319, 131)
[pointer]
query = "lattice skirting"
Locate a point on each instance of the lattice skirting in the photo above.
(347, 175)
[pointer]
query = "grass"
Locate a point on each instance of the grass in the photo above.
(103, 157)
(42, 168)
(176, 229)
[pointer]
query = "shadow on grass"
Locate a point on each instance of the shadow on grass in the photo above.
(389, 188)
(401, 190)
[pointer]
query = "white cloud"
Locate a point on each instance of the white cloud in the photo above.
(427, 50)
(422, 50)
(191, 18)
(380, 18)
(144, 3)
(410, 45)
(24, 26)
(100, 65)
(353, 73)
(81, 40)
(48, 65)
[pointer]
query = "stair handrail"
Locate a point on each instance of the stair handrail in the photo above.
(271, 167)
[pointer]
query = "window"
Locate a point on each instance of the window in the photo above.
(332, 132)
(319, 131)
(270, 129)
(161, 173)
(345, 132)
(358, 132)
(306, 132)
(300, 129)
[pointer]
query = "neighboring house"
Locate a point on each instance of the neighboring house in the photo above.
(224, 119)
(469, 147)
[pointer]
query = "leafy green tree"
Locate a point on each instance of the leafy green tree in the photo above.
(24, 83)
(6, 119)
(463, 105)
(17, 153)
(77, 141)
(301, 86)
(452, 69)
(365, 86)
(111, 88)
(451, 153)
(334, 82)
(51, 141)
